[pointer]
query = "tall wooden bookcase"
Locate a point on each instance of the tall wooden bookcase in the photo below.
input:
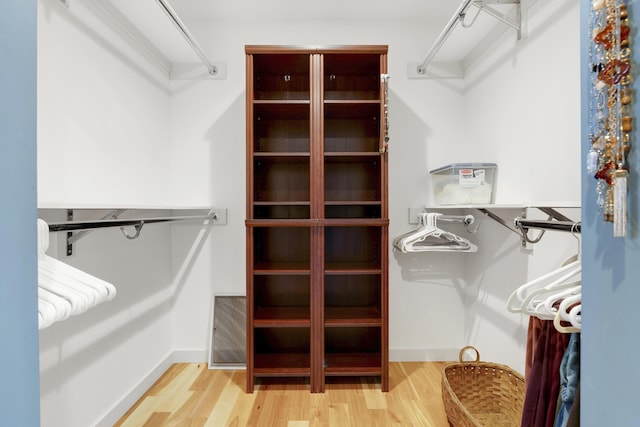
(317, 214)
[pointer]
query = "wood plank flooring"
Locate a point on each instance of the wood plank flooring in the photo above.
(191, 395)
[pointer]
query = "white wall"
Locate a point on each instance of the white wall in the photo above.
(522, 107)
(522, 111)
(103, 141)
(90, 362)
(103, 114)
(208, 131)
(438, 302)
(183, 144)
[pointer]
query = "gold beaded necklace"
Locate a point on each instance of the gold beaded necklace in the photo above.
(611, 129)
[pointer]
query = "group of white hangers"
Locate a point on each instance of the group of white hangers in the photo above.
(428, 237)
(555, 296)
(64, 290)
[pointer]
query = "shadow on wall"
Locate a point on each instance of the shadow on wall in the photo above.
(425, 267)
(53, 377)
(227, 175)
(227, 138)
(408, 145)
(58, 9)
(140, 270)
(511, 55)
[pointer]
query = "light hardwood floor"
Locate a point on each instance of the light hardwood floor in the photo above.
(190, 395)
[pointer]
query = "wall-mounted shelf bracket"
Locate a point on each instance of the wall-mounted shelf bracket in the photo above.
(74, 237)
(501, 221)
(514, 21)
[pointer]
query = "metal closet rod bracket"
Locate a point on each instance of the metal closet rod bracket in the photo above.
(521, 226)
(78, 229)
(505, 224)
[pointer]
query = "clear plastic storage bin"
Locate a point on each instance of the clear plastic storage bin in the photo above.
(464, 183)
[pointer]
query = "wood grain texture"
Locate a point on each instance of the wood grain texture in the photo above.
(190, 394)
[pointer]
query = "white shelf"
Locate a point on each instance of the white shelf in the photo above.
(556, 205)
(93, 206)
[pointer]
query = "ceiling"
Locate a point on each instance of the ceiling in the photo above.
(278, 10)
(150, 22)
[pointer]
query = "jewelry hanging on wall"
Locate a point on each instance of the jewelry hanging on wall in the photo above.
(610, 109)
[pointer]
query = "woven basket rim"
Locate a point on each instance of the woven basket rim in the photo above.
(482, 364)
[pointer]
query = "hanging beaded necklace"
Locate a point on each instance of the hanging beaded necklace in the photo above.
(610, 109)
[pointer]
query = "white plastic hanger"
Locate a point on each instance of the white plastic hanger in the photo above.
(429, 237)
(552, 281)
(64, 290)
(534, 301)
(573, 316)
(96, 289)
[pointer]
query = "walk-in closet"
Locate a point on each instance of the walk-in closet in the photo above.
(269, 213)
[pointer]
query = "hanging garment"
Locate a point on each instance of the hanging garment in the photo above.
(574, 415)
(543, 384)
(533, 334)
(569, 379)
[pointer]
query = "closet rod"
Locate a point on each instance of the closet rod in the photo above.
(187, 35)
(459, 16)
(570, 226)
(444, 35)
(465, 219)
(116, 222)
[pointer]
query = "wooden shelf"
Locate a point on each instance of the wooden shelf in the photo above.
(350, 102)
(284, 102)
(348, 364)
(352, 268)
(281, 268)
(282, 364)
(282, 317)
(352, 316)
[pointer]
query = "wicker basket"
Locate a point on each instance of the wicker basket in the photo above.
(482, 394)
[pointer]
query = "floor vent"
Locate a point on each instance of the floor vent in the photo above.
(228, 332)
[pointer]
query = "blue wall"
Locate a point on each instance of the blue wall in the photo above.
(610, 374)
(19, 379)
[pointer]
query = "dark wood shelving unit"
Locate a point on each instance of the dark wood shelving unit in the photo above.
(317, 213)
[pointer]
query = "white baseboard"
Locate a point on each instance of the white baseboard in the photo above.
(423, 354)
(127, 401)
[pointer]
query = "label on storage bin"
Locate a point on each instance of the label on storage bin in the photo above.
(471, 177)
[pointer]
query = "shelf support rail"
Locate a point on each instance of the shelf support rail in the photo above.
(82, 228)
(459, 17)
(168, 10)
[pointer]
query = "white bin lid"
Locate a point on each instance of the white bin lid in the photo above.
(464, 166)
